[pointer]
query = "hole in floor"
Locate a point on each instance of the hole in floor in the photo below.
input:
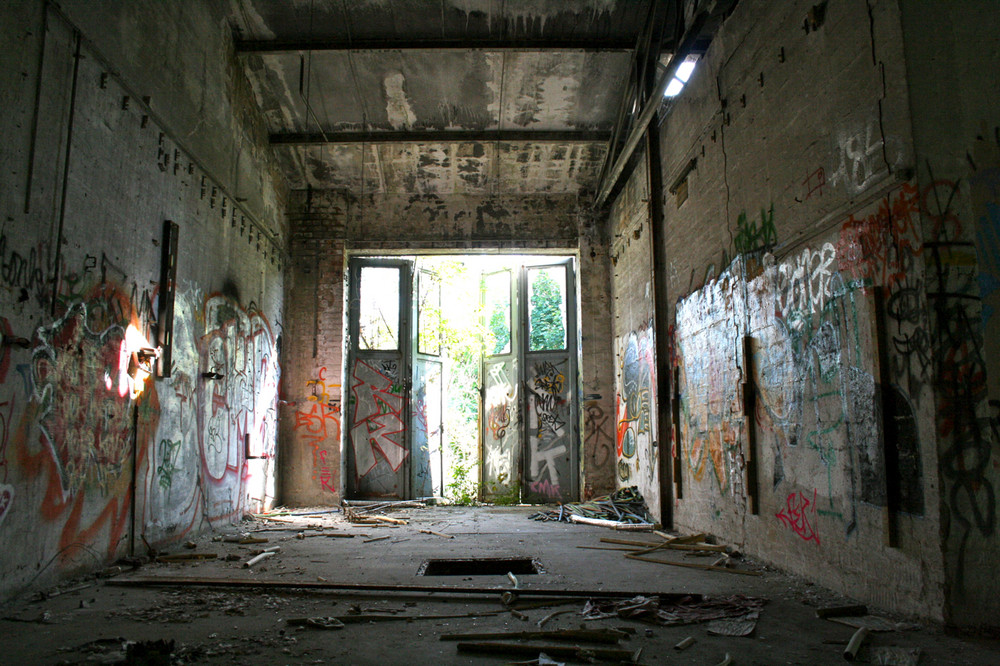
(483, 566)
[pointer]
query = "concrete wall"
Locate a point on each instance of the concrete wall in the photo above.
(636, 430)
(952, 62)
(90, 173)
(803, 207)
(327, 225)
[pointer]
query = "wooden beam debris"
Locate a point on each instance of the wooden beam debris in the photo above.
(689, 565)
(569, 652)
(244, 583)
(607, 636)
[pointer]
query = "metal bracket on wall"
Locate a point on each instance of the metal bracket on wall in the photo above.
(749, 418)
(678, 484)
(168, 290)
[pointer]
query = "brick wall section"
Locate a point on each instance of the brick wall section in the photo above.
(327, 225)
(311, 389)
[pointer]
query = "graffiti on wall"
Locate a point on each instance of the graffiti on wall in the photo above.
(755, 234)
(964, 429)
(635, 428)
(319, 427)
(237, 411)
(795, 516)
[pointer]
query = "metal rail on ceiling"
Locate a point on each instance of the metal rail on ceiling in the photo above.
(442, 136)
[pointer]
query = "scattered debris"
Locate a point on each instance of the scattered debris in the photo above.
(726, 661)
(685, 644)
(655, 610)
(440, 534)
(893, 656)
(257, 558)
(315, 622)
(544, 620)
(381, 538)
(150, 653)
(853, 645)
(625, 506)
(737, 628)
(190, 545)
(45, 617)
(513, 580)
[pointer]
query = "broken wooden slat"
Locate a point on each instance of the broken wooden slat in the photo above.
(842, 611)
(851, 651)
(388, 519)
(689, 565)
(614, 524)
(671, 545)
(192, 581)
(186, 557)
(440, 534)
(608, 636)
(607, 654)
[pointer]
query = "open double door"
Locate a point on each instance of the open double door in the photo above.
(529, 412)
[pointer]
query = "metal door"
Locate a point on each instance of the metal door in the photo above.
(378, 442)
(547, 297)
(500, 421)
(426, 397)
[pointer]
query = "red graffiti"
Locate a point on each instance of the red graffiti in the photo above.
(815, 182)
(796, 515)
(320, 424)
(880, 247)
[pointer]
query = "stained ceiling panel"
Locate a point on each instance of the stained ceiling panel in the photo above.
(307, 88)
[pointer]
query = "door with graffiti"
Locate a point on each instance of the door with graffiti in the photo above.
(530, 432)
(500, 432)
(549, 331)
(378, 379)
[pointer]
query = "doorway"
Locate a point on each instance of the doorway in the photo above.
(462, 378)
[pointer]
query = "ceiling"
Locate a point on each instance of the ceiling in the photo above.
(439, 96)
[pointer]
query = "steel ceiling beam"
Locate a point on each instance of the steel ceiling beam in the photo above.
(247, 46)
(442, 136)
(691, 39)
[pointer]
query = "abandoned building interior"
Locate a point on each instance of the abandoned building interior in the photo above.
(741, 255)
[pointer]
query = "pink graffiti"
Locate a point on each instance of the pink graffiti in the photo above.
(378, 426)
(326, 478)
(795, 516)
(545, 488)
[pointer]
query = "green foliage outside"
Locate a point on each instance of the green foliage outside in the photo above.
(546, 317)
(463, 337)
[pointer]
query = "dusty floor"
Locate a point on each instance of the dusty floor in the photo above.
(211, 625)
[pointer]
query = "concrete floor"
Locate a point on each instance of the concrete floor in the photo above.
(241, 626)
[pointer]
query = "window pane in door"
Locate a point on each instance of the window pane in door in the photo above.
(378, 315)
(546, 308)
(429, 314)
(498, 313)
